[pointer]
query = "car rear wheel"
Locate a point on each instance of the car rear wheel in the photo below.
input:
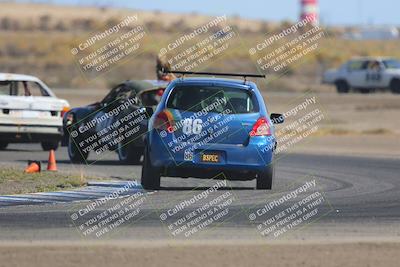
(3, 145)
(395, 86)
(128, 154)
(265, 178)
(342, 87)
(49, 145)
(76, 155)
(150, 174)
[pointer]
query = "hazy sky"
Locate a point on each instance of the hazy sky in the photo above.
(382, 12)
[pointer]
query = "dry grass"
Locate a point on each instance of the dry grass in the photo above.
(341, 131)
(44, 50)
(15, 181)
(377, 131)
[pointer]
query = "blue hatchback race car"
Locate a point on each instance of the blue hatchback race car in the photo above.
(208, 128)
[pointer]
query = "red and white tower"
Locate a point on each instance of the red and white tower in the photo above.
(309, 9)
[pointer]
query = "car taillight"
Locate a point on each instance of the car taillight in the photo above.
(63, 111)
(261, 128)
(161, 122)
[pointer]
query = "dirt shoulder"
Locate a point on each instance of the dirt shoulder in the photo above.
(377, 146)
(16, 181)
(382, 253)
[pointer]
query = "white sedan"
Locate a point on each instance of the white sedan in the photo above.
(29, 112)
(366, 75)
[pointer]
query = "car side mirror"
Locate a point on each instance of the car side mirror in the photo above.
(277, 118)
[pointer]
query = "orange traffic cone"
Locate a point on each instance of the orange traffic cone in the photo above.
(51, 164)
(33, 166)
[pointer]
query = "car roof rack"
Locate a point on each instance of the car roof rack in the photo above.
(244, 75)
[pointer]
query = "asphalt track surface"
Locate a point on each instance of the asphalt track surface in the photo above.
(361, 197)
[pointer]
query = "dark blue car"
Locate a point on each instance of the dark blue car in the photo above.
(88, 121)
(208, 128)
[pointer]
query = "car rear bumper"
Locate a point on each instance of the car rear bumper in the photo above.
(29, 133)
(254, 156)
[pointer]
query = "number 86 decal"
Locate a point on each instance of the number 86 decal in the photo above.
(191, 126)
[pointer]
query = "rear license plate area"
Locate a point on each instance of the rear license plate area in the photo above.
(210, 157)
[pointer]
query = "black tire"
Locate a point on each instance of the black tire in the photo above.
(150, 175)
(342, 87)
(3, 145)
(75, 155)
(395, 86)
(265, 178)
(50, 145)
(128, 154)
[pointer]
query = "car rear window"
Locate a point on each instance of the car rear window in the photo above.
(21, 88)
(392, 64)
(357, 65)
(212, 98)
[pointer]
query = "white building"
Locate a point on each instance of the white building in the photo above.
(374, 33)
